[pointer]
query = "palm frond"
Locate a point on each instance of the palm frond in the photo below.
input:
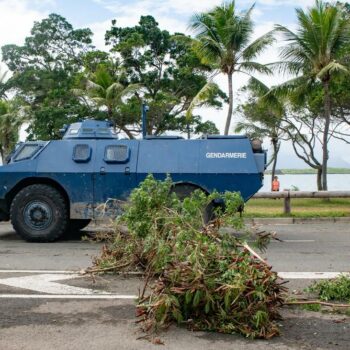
(202, 96)
(78, 92)
(297, 87)
(258, 45)
(249, 67)
(257, 87)
(114, 91)
(332, 67)
(94, 88)
(99, 101)
(285, 67)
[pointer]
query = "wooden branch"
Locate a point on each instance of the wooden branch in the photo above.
(316, 302)
(254, 253)
(104, 269)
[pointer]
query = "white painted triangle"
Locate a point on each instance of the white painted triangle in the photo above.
(45, 283)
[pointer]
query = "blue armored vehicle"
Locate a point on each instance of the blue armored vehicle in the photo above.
(50, 187)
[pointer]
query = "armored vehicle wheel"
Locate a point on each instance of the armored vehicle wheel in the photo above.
(39, 213)
(77, 224)
(185, 190)
(73, 228)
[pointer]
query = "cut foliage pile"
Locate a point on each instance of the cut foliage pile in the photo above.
(196, 274)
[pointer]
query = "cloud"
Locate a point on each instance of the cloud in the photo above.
(172, 15)
(295, 3)
(16, 20)
(165, 6)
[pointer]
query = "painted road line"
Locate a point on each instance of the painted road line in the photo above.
(293, 241)
(59, 272)
(311, 275)
(40, 271)
(46, 283)
(67, 296)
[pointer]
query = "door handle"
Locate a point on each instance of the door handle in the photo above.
(102, 170)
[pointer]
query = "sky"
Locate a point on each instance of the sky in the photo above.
(17, 17)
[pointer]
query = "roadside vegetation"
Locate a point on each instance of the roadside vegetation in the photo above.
(304, 208)
(337, 289)
(331, 295)
(196, 274)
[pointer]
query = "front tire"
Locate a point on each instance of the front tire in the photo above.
(73, 228)
(39, 213)
(75, 225)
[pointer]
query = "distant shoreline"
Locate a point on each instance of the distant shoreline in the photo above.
(338, 171)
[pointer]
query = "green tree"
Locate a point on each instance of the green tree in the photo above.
(312, 53)
(168, 70)
(339, 86)
(10, 124)
(44, 71)
(107, 91)
(262, 114)
(224, 42)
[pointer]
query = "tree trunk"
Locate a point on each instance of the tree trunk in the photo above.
(130, 135)
(230, 104)
(111, 118)
(319, 179)
(274, 163)
(327, 117)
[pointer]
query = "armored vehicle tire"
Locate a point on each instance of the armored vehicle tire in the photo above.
(39, 213)
(77, 224)
(185, 190)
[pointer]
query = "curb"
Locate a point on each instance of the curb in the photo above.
(290, 221)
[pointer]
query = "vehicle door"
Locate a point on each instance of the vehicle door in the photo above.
(114, 175)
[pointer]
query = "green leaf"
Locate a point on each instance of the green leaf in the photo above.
(197, 298)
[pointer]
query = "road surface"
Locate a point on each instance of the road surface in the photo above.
(45, 303)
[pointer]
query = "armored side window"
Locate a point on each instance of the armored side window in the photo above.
(81, 153)
(73, 131)
(26, 152)
(116, 154)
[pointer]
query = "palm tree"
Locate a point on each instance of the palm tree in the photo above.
(104, 91)
(311, 53)
(224, 41)
(263, 114)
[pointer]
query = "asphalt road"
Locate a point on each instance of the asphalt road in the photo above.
(42, 307)
(304, 247)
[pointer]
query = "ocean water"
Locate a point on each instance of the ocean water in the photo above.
(336, 182)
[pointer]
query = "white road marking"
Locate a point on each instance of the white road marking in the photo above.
(67, 296)
(44, 283)
(293, 241)
(311, 275)
(39, 271)
(59, 272)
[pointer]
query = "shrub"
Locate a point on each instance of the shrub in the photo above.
(197, 274)
(337, 289)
